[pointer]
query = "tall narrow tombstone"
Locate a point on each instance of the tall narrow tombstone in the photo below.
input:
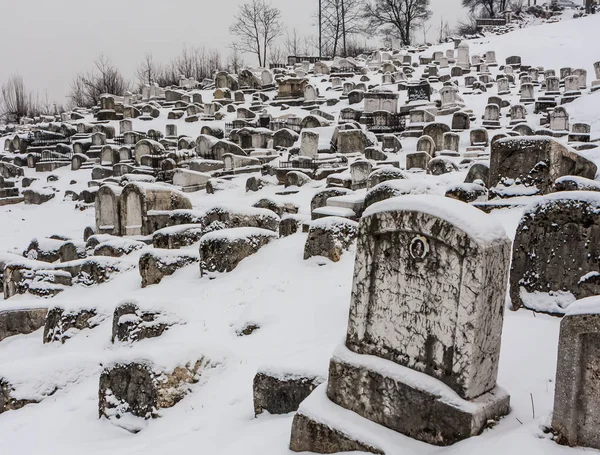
(423, 340)
(576, 415)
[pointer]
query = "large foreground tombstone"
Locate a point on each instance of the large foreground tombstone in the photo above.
(423, 340)
(576, 415)
(556, 252)
(530, 165)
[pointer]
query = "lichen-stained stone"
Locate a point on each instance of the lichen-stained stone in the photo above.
(556, 252)
(576, 416)
(62, 324)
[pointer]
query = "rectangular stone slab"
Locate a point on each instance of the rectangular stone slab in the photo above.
(407, 401)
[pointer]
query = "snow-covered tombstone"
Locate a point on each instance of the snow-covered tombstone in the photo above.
(556, 252)
(491, 116)
(423, 340)
(142, 202)
(360, 170)
(108, 206)
(527, 93)
(309, 144)
(530, 165)
(329, 237)
(140, 389)
(224, 249)
(559, 120)
(576, 413)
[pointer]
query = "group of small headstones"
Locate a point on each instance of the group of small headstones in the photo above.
(423, 339)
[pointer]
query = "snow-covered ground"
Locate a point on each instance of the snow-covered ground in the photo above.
(300, 306)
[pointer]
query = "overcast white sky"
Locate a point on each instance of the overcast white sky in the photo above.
(47, 42)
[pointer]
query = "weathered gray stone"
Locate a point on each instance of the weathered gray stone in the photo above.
(155, 265)
(142, 390)
(534, 163)
(223, 250)
(556, 252)
(62, 324)
(467, 192)
(329, 237)
(175, 237)
(281, 393)
(130, 323)
(21, 322)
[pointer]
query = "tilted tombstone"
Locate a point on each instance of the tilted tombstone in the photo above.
(491, 116)
(461, 121)
(309, 144)
(479, 137)
(559, 120)
(576, 415)
(463, 60)
(427, 307)
(552, 86)
(125, 126)
(452, 142)
(503, 86)
(533, 165)
(417, 160)
(518, 114)
(565, 72)
(436, 132)
(426, 144)
(527, 94)
(490, 58)
(580, 132)
(359, 171)
(556, 252)
(582, 75)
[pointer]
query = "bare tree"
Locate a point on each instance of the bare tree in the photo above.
(235, 62)
(15, 101)
(87, 88)
(276, 55)
(256, 26)
(341, 19)
(292, 42)
(488, 8)
(398, 17)
(443, 30)
(149, 70)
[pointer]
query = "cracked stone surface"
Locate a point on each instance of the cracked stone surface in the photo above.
(428, 297)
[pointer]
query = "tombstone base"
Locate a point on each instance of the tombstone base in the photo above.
(409, 402)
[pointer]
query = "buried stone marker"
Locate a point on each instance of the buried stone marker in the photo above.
(556, 251)
(425, 267)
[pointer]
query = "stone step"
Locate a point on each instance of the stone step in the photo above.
(321, 424)
(11, 200)
(334, 211)
(9, 192)
(354, 202)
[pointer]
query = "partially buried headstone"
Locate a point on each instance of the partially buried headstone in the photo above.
(423, 340)
(556, 251)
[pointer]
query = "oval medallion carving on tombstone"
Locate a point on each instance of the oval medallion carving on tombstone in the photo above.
(419, 247)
